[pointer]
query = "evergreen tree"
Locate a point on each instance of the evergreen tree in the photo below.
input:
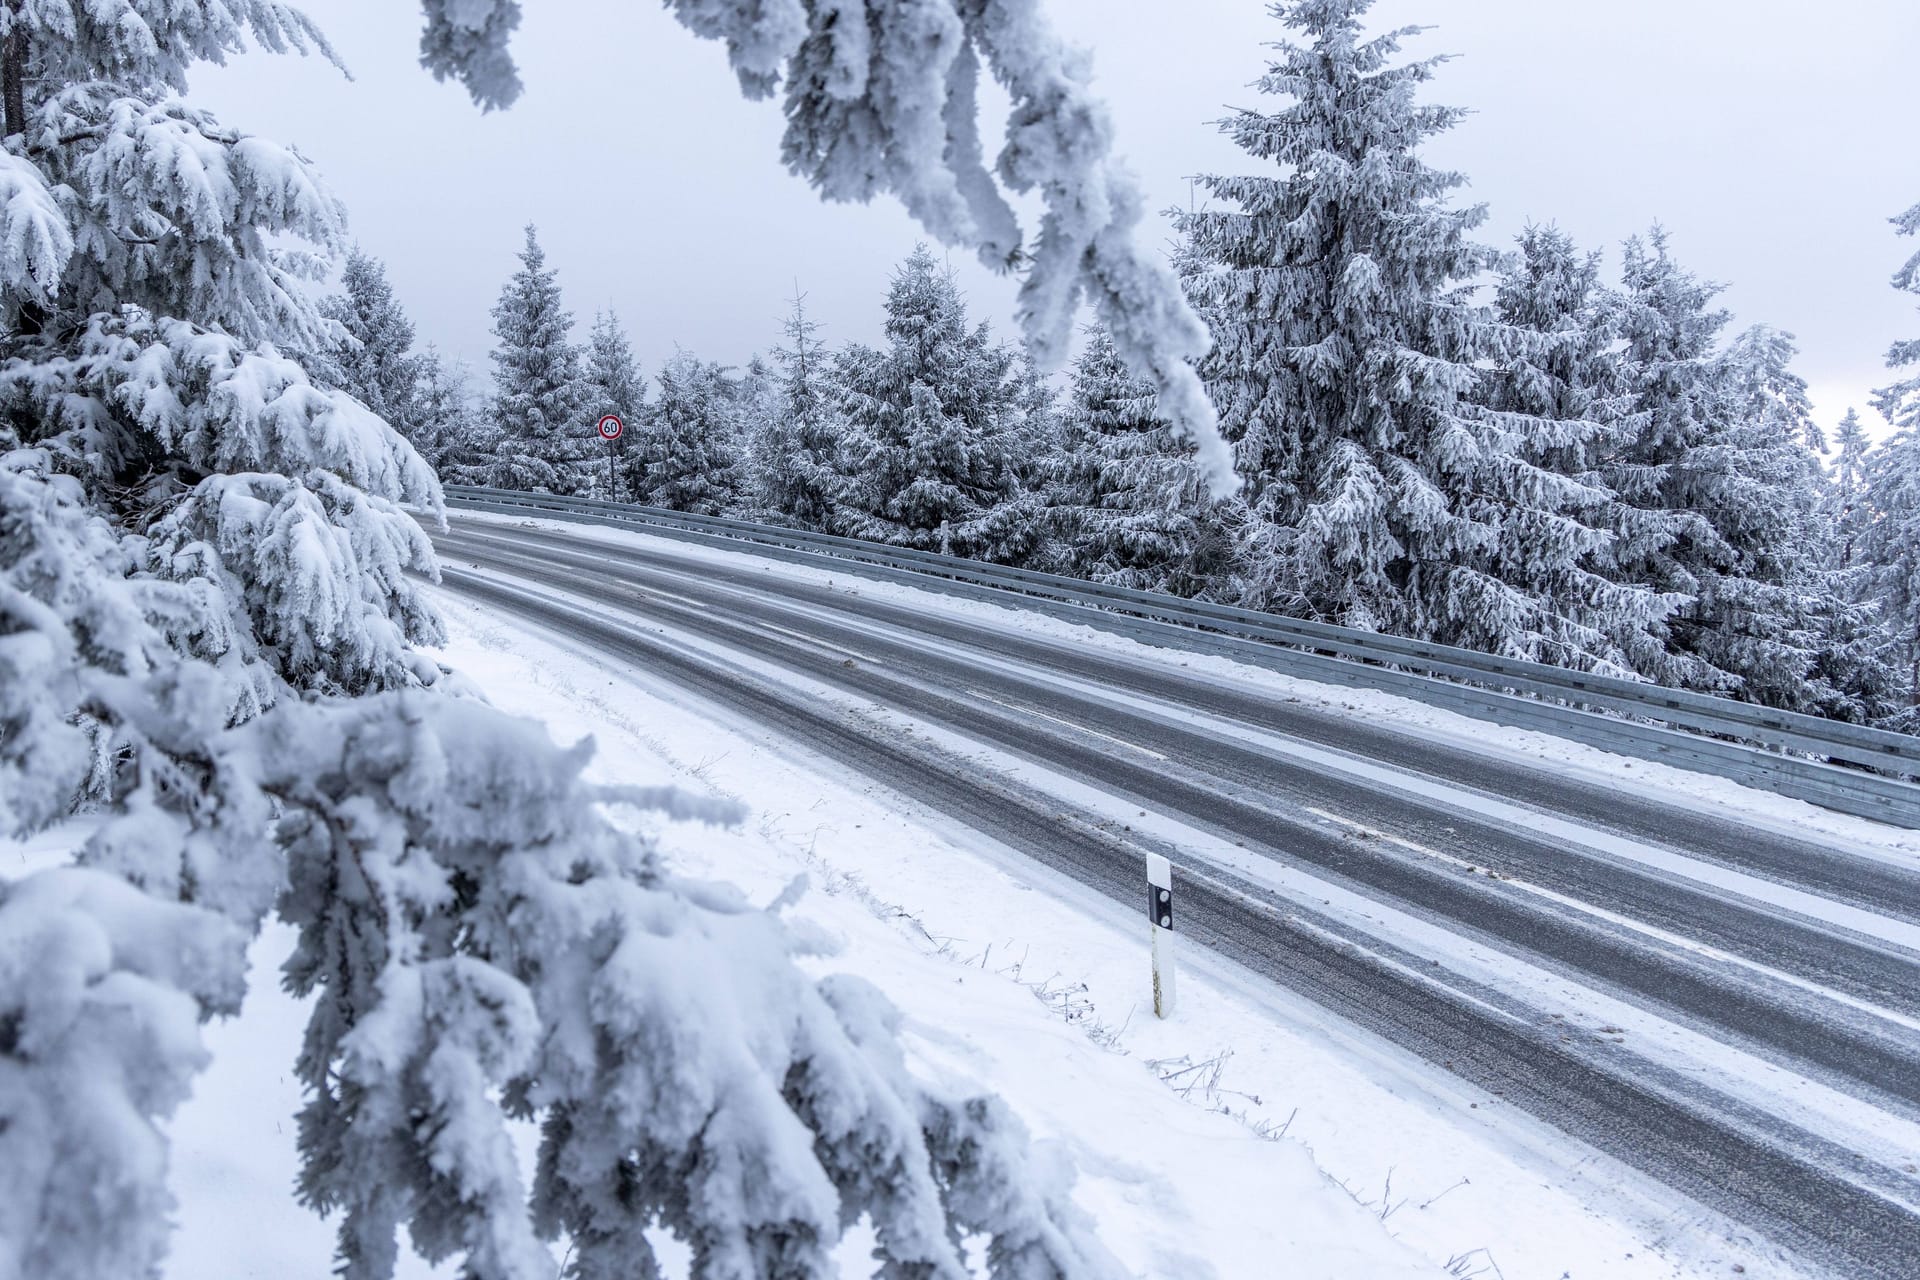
(1890, 544)
(683, 456)
(796, 434)
(886, 98)
(538, 415)
(1900, 402)
(1891, 533)
(1722, 451)
(446, 428)
(374, 359)
(1771, 609)
(1130, 505)
(194, 536)
(1846, 493)
(931, 455)
(1380, 492)
(1038, 431)
(1852, 654)
(1668, 329)
(1560, 382)
(613, 385)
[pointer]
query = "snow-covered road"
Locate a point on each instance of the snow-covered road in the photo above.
(1728, 1003)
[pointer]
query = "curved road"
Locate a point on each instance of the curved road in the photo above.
(1421, 890)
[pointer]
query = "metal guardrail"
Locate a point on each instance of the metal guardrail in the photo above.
(1850, 768)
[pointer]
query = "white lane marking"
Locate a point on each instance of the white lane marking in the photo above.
(1078, 728)
(675, 597)
(817, 642)
(1638, 926)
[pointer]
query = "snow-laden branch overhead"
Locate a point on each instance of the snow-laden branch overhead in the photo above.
(881, 98)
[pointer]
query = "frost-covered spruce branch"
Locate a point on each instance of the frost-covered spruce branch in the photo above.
(880, 97)
(209, 653)
(470, 921)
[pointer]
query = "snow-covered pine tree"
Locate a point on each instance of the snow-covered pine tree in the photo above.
(447, 426)
(373, 358)
(1129, 503)
(1891, 539)
(1890, 544)
(1039, 433)
(613, 385)
(1852, 654)
(1723, 445)
(1557, 371)
(208, 662)
(1846, 491)
(1668, 326)
(1380, 492)
(1900, 401)
(885, 98)
(685, 453)
(1774, 613)
(934, 421)
(796, 435)
(539, 418)
(192, 532)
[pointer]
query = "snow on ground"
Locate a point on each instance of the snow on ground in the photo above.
(1540, 750)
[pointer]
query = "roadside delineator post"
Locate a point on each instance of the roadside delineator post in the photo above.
(1160, 917)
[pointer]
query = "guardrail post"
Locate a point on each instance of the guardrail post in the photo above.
(1160, 920)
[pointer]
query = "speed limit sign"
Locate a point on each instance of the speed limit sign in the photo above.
(611, 427)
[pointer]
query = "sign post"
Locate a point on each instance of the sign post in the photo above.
(1160, 918)
(610, 428)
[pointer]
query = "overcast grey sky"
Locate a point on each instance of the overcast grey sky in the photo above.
(1774, 141)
